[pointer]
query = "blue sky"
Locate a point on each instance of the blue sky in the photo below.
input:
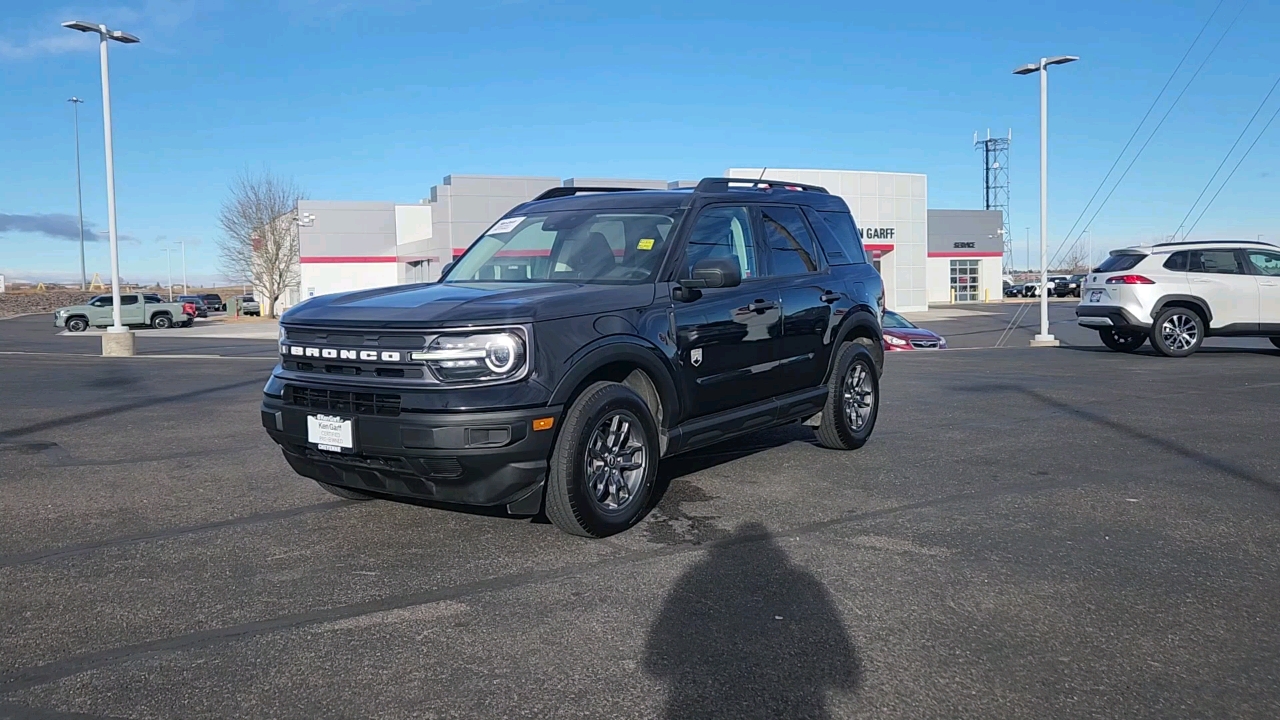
(379, 99)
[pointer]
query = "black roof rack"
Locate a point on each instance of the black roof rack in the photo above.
(559, 192)
(723, 185)
(1210, 242)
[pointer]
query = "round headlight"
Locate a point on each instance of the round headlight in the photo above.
(500, 354)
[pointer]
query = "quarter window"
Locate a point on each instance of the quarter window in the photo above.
(722, 232)
(1265, 263)
(791, 249)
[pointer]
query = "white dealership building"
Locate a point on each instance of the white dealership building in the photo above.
(924, 256)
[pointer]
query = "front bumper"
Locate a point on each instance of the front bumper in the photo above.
(475, 458)
(1109, 317)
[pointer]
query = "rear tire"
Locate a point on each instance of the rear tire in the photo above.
(344, 493)
(604, 462)
(1122, 342)
(853, 400)
(1177, 332)
(77, 324)
(162, 322)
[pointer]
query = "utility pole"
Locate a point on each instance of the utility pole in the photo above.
(185, 289)
(75, 111)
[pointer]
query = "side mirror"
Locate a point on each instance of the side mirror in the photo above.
(445, 270)
(720, 272)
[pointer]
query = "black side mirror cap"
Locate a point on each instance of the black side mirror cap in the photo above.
(720, 272)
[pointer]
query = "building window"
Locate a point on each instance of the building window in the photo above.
(964, 280)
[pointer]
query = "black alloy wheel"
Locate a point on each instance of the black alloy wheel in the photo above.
(604, 462)
(853, 400)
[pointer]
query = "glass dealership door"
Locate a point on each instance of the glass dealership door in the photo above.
(964, 280)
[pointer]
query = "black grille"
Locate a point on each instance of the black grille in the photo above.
(355, 339)
(343, 401)
(925, 344)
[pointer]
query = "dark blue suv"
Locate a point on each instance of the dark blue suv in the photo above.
(587, 334)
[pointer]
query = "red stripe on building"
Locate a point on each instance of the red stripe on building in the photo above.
(964, 254)
(349, 259)
(872, 247)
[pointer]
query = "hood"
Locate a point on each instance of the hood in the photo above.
(440, 304)
(913, 333)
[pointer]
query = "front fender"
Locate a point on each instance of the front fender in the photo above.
(631, 349)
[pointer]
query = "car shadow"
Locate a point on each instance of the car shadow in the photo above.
(678, 466)
(747, 633)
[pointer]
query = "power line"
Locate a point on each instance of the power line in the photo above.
(1141, 122)
(1164, 117)
(1233, 170)
(1226, 157)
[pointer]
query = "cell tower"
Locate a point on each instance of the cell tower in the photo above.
(995, 183)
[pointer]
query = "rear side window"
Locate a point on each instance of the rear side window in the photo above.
(1220, 262)
(838, 236)
(791, 249)
(1120, 263)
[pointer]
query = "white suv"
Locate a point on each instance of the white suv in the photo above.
(1177, 294)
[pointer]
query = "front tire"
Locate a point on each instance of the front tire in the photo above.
(344, 493)
(1122, 342)
(853, 400)
(1177, 332)
(77, 325)
(604, 462)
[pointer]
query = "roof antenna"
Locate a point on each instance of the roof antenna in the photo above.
(762, 172)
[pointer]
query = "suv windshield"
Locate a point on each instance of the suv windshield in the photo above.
(578, 246)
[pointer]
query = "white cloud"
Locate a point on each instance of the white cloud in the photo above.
(144, 18)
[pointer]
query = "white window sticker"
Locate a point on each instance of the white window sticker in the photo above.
(505, 225)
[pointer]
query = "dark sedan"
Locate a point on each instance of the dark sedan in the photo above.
(202, 310)
(900, 334)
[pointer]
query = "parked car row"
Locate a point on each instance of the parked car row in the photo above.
(146, 310)
(1059, 286)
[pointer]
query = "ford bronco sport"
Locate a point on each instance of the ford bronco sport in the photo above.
(587, 334)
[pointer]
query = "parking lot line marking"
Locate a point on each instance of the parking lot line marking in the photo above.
(86, 548)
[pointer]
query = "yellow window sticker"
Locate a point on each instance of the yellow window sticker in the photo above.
(645, 244)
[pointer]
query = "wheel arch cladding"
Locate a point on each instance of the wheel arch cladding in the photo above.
(1187, 301)
(630, 363)
(859, 326)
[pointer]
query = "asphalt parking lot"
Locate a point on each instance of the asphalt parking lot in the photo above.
(1057, 533)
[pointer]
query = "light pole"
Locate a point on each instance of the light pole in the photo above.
(1028, 249)
(122, 342)
(75, 111)
(1044, 339)
(185, 290)
(168, 266)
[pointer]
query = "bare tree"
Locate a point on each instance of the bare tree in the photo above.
(260, 235)
(1076, 258)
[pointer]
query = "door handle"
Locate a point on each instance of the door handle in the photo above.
(760, 306)
(829, 296)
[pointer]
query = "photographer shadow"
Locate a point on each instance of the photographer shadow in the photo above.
(746, 633)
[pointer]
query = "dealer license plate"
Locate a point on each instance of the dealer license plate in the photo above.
(1095, 296)
(330, 432)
